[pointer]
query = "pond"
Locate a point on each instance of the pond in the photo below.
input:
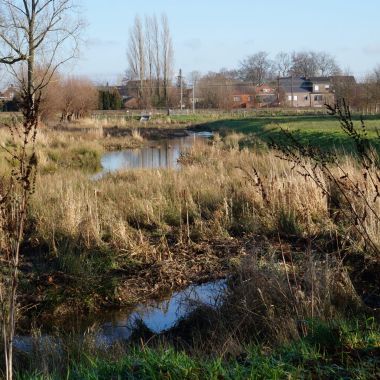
(162, 154)
(117, 326)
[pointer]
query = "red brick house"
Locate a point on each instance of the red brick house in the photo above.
(261, 96)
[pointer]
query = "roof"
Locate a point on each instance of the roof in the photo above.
(8, 93)
(320, 79)
(298, 85)
(344, 78)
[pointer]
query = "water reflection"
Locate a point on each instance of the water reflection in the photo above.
(161, 316)
(114, 326)
(155, 155)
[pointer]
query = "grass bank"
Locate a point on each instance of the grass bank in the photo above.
(333, 350)
(321, 131)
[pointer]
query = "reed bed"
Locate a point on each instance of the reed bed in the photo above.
(218, 191)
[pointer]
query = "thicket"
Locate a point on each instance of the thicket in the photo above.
(110, 100)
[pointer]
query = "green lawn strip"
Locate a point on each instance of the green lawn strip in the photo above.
(335, 350)
(320, 131)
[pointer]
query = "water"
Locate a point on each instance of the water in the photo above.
(154, 155)
(159, 316)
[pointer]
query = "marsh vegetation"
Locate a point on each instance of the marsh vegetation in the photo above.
(301, 274)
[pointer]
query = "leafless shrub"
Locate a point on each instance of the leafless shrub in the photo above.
(274, 300)
(354, 200)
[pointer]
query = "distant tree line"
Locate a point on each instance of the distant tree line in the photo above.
(258, 68)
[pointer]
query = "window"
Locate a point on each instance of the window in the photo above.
(290, 98)
(318, 98)
(327, 87)
(316, 87)
(295, 97)
(237, 98)
(306, 97)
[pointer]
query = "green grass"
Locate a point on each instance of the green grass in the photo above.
(320, 131)
(87, 159)
(335, 350)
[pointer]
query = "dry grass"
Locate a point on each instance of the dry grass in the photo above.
(218, 192)
(161, 218)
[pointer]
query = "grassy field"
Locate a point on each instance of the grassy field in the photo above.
(321, 131)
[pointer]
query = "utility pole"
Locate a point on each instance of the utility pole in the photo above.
(291, 90)
(278, 89)
(181, 86)
(194, 97)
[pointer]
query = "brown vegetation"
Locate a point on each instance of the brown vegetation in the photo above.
(72, 98)
(156, 232)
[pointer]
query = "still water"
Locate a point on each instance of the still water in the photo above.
(154, 155)
(111, 327)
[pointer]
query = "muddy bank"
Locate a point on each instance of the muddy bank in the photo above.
(147, 133)
(55, 296)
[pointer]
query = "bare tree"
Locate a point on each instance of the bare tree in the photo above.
(155, 31)
(282, 63)
(167, 55)
(215, 91)
(194, 77)
(77, 97)
(136, 54)
(150, 58)
(33, 33)
(371, 91)
(346, 88)
(310, 63)
(256, 68)
(304, 64)
(327, 65)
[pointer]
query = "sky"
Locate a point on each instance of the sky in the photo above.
(212, 34)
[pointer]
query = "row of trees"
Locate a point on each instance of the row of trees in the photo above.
(150, 68)
(71, 98)
(258, 68)
(150, 60)
(366, 95)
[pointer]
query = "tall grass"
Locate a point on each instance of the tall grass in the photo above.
(139, 218)
(217, 194)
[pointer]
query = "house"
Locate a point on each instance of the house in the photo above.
(258, 96)
(242, 100)
(294, 92)
(306, 92)
(265, 96)
(322, 91)
(8, 94)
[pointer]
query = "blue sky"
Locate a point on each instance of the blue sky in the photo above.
(211, 34)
